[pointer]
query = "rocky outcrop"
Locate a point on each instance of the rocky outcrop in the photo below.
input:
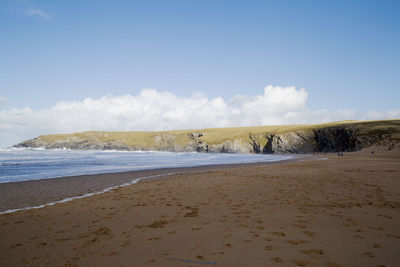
(333, 139)
(77, 144)
(231, 146)
(290, 142)
(165, 142)
(306, 139)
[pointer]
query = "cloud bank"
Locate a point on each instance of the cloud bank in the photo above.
(153, 110)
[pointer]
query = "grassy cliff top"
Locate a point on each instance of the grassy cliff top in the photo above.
(219, 135)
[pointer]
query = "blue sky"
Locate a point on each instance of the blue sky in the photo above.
(344, 53)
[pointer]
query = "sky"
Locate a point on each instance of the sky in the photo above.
(69, 66)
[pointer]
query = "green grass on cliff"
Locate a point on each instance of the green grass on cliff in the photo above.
(219, 135)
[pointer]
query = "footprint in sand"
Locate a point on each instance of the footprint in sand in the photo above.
(385, 216)
(393, 235)
(313, 251)
(277, 259)
(126, 243)
(302, 263)
(293, 242)
(194, 213)
(62, 239)
(369, 254)
(157, 224)
(376, 228)
(42, 244)
(309, 233)
(279, 233)
(155, 238)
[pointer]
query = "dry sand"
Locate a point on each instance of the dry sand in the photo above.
(337, 212)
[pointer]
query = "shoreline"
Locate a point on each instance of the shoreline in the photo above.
(33, 194)
(344, 211)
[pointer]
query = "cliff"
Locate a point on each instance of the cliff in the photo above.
(331, 137)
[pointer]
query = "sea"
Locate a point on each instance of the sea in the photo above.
(18, 165)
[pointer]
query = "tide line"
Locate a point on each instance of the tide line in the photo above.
(68, 199)
(134, 181)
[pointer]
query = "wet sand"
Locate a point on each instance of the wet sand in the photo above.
(337, 212)
(19, 195)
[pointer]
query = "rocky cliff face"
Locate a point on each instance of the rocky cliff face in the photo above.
(332, 139)
(348, 137)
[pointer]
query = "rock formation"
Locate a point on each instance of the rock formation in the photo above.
(333, 137)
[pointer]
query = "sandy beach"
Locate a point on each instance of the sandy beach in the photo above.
(321, 211)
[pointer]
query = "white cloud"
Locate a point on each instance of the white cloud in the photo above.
(37, 12)
(3, 100)
(154, 110)
(379, 115)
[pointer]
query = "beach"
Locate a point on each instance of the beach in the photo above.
(321, 210)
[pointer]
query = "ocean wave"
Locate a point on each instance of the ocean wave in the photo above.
(27, 164)
(13, 149)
